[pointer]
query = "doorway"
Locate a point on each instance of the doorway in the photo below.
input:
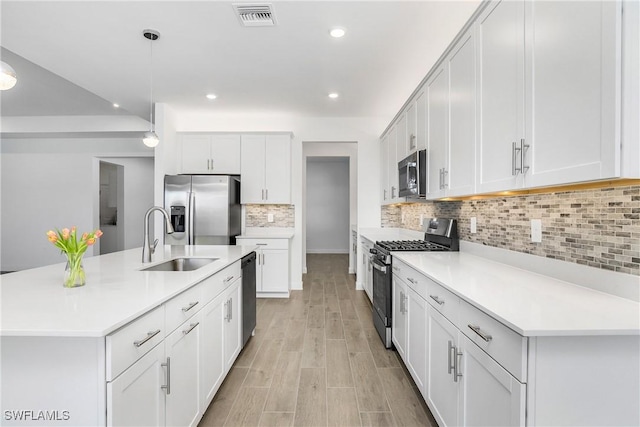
(111, 207)
(328, 205)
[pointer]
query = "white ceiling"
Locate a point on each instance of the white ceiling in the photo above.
(97, 48)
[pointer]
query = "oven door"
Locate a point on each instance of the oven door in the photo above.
(382, 291)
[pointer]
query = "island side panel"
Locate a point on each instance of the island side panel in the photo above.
(52, 381)
(584, 380)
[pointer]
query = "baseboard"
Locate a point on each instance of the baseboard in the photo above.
(327, 251)
(296, 286)
(359, 286)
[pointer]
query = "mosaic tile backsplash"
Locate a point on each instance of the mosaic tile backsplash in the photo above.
(283, 215)
(598, 228)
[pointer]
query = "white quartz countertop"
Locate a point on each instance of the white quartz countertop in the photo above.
(34, 302)
(267, 233)
(376, 234)
(529, 303)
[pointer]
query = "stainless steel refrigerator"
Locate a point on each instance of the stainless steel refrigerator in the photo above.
(204, 209)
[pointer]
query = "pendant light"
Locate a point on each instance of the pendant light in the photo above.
(150, 138)
(8, 76)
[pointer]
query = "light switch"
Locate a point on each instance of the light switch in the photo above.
(536, 230)
(473, 225)
(421, 219)
(269, 217)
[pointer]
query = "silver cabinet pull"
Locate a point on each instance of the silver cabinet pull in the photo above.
(266, 194)
(190, 306)
(228, 279)
(384, 194)
(449, 358)
(456, 364)
(410, 279)
(208, 164)
(226, 310)
(481, 334)
(514, 170)
(147, 338)
(445, 173)
(191, 328)
(261, 244)
(167, 365)
(523, 147)
(230, 309)
(436, 299)
(394, 268)
(412, 139)
(401, 302)
(393, 192)
(262, 197)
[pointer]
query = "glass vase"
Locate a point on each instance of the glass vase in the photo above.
(74, 271)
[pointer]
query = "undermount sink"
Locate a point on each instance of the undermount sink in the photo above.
(180, 264)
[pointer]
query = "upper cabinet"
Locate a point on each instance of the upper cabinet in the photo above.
(210, 154)
(528, 95)
(266, 169)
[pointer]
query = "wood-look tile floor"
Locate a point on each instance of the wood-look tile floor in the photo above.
(316, 360)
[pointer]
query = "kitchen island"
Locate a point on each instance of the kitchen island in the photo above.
(105, 353)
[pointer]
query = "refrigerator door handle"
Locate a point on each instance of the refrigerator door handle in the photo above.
(191, 219)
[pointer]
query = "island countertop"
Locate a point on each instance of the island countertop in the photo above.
(34, 302)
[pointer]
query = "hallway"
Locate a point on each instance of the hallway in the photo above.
(316, 360)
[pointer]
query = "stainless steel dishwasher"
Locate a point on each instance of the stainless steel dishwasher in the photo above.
(248, 264)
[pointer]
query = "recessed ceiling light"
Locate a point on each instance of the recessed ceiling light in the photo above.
(337, 32)
(116, 105)
(211, 96)
(333, 95)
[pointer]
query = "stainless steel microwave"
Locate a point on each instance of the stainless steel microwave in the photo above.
(412, 173)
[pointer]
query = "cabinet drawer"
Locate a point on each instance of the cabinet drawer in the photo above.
(416, 281)
(133, 341)
(265, 243)
(444, 301)
(507, 347)
(183, 306)
(214, 285)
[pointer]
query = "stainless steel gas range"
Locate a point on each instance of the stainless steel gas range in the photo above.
(441, 234)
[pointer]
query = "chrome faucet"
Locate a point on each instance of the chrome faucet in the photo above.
(147, 248)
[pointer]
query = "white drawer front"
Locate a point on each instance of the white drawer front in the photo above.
(417, 281)
(183, 306)
(444, 301)
(263, 243)
(214, 285)
(133, 341)
(504, 345)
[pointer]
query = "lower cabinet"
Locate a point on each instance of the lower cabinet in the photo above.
(212, 360)
(232, 326)
(272, 265)
(399, 316)
(366, 271)
(416, 346)
(135, 397)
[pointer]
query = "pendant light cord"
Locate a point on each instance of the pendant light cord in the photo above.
(151, 86)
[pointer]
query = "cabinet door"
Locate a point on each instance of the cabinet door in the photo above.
(225, 154)
(500, 32)
(278, 169)
(417, 339)
(462, 113)
(573, 104)
(399, 316)
(275, 271)
(252, 169)
(392, 167)
(233, 324)
(402, 144)
(437, 131)
(442, 390)
(491, 396)
(212, 368)
(135, 398)
(182, 348)
(411, 128)
(196, 153)
(384, 170)
(421, 121)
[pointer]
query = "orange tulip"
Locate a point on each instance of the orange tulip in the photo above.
(91, 241)
(65, 233)
(52, 236)
(85, 236)
(98, 233)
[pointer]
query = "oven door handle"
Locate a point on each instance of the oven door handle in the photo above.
(380, 268)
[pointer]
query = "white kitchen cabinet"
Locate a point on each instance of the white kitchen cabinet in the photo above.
(443, 391)
(500, 65)
(490, 396)
(416, 346)
(412, 127)
(135, 398)
(183, 366)
(572, 52)
(366, 268)
(437, 93)
(272, 265)
(385, 194)
(212, 366)
(210, 154)
(266, 169)
(233, 324)
(402, 142)
(399, 315)
(421, 120)
(353, 260)
(392, 165)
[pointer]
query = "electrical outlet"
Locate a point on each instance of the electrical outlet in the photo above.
(536, 230)
(473, 225)
(421, 219)
(270, 217)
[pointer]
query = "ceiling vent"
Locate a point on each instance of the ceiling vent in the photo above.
(255, 15)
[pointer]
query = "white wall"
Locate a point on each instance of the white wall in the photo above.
(327, 205)
(48, 183)
(364, 131)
